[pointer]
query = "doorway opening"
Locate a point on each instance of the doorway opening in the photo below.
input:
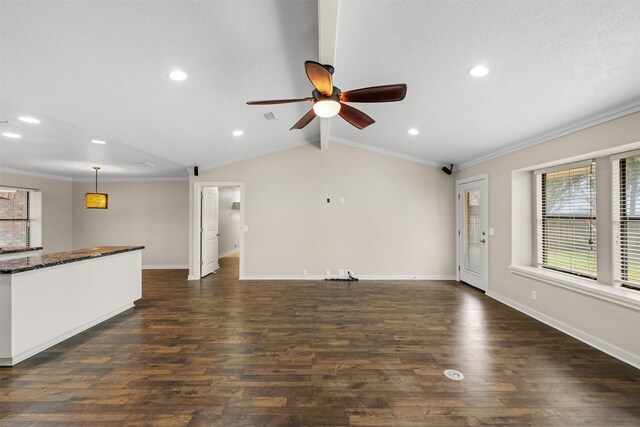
(217, 228)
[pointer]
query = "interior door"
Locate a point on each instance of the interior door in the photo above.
(473, 239)
(209, 231)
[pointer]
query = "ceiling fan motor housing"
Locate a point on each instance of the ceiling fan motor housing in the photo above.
(334, 95)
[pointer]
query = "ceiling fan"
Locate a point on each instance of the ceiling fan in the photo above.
(328, 100)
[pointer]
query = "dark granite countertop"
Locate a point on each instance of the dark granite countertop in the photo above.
(35, 262)
(16, 250)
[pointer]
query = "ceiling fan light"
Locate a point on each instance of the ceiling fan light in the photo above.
(326, 108)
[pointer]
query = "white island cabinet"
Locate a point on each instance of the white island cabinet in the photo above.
(48, 298)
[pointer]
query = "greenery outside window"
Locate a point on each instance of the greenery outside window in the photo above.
(626, 218)
(566, 219)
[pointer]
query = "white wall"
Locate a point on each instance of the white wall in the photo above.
(149, 213)
(597, 321)
(228, 220)
(397, 220)
(56, 208)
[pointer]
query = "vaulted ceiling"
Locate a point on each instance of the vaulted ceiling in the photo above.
(99, 70)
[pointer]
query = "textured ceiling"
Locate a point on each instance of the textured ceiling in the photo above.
(552, 64)
(101, 67)
(99, 70)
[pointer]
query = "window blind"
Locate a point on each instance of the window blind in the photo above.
(626, 219)
(566, 220)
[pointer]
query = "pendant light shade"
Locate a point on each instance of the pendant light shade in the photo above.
(96, 200)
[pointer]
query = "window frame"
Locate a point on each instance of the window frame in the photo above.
(26, 220)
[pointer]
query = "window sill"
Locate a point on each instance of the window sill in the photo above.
(614, 294)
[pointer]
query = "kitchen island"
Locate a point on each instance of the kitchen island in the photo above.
(45, 299)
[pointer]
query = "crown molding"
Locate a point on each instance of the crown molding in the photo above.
(385, 151)
(35, 174)
(152, 179)
(70, 179)
(616, 113)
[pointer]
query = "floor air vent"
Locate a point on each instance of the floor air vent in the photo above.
(453, 375)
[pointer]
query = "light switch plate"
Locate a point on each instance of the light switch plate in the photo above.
(491, 231)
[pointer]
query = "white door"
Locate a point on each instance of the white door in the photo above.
(473, 235)
(209, 231)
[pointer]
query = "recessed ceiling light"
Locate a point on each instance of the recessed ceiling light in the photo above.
(178, 75)
(11, 135)
(238, 133)
(97, 141)
(413, 131)
(479, 71)
(27, 119)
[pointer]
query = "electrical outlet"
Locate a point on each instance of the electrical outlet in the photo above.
(342, 200)
(304, 272)
(534, 295)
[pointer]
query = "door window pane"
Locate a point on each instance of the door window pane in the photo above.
(472, 259)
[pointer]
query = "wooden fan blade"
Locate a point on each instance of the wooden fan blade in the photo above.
(305, 120)
(355, 116)
(320, 77)
(386, 93)
(278, 101)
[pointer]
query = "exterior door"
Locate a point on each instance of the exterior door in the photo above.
(473, 238)
(209, 231)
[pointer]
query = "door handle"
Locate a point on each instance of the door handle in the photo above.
(483, 241)
(218, 235)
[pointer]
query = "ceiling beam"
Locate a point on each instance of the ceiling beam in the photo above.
(327, 38)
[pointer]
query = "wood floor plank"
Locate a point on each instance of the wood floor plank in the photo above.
(219, 352)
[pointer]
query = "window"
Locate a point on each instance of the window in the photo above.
(14, 218)
(626, 219)
(566, 219)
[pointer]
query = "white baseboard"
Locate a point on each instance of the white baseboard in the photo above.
(11, 361)
(228, 252)
(314, 277)
(166, 267)
(406, 277)
(610, 349)
(193, 277)
(309, 277)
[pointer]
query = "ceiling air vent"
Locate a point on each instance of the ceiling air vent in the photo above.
(268, 116)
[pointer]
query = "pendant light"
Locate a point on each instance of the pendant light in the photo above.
(96, 200)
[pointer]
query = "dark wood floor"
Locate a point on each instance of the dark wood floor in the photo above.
(220, 352)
